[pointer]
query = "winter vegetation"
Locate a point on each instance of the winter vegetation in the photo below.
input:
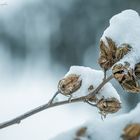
(119, 59)
(119, 51)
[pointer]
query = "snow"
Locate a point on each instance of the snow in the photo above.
(125, 28)
(109, 129)
(93, 77)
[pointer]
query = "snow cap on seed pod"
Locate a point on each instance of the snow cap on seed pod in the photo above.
(127, 43)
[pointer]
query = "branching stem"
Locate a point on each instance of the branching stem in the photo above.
(50, 104)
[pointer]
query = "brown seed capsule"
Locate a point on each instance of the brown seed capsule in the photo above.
(81, 132)
(131, 85)
(118, 72)
(131, 132)
(110, 54)
(107, 53)
(125, 76)
(109, 105)
(137, 70)
(69, 84)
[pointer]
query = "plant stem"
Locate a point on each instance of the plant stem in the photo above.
(50, 104)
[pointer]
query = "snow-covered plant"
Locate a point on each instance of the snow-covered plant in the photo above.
(119, 52)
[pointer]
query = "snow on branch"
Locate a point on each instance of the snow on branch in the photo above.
(81, 84)
(119, 49)
(124, 29)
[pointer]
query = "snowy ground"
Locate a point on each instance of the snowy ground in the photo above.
(109, 129)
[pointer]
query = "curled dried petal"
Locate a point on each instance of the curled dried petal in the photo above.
(112, 46)
(122, 50)
(69, 84)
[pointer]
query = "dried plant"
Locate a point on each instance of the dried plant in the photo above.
(110, 53)
(81, 132)
(107, 54)
(125, 76)
(137, 70)
(131, 132)
(67, 86)
(110, 105)
(121, 51)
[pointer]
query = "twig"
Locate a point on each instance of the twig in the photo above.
(50, 104)
(100, 86)
(95, 105)
(51, 101)
(18, 119)
(104, 74)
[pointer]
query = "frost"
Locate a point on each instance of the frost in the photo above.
(109, 129)
(92, 77)
(125, 28)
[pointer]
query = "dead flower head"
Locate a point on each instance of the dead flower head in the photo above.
(109, 105)
(131, 132)
(107, 53)
(69, 84)
(125, 76)
(81, 131)
(110, 54)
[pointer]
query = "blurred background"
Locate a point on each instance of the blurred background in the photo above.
(39, 41)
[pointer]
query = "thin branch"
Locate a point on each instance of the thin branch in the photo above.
(18, 119)
(100, 86)
(95, 105)
(50, 104)
(104, 74)
(51, 101)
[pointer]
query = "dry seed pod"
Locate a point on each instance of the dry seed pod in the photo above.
(110, 54)
(107, 54)
(69, 84)
(81, 132)
(124, 75)
(131, 132)
(137, 70)
(131, 85)
(118, 72)
(109, 105)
